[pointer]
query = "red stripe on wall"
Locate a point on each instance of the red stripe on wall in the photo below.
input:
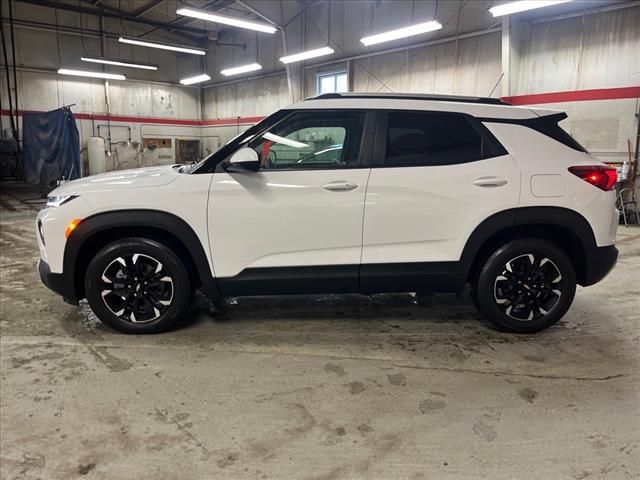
(575, 96)
(532, 99)
(128, 119)
(231, 121)
(220, 122)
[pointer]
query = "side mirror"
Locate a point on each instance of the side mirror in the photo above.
(243, 160)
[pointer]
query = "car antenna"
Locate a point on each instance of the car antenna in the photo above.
(496, 85)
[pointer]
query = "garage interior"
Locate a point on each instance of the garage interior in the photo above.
(393, 386)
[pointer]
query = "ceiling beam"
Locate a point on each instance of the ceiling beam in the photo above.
(182, 22)
(142, 11)
(109, 13)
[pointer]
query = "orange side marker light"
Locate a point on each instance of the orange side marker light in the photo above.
(73, 224)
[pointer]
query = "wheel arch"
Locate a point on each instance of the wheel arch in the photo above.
(564, 227)
(98, 230)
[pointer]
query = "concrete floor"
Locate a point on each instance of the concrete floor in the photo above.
(317, 387)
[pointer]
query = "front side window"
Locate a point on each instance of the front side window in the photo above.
(432, 138)
(319, 139)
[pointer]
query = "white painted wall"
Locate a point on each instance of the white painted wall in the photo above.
(593, 51)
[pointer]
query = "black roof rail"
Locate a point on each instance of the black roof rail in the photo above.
(413, 96)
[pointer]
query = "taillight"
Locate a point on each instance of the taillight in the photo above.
(604, 178)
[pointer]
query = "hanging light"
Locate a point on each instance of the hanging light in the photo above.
(522, 6)
(297, 57)
(162, 46)
(242, 69)
(120, 63)
(404, 32)
(233, 21)
(196, 79)
(87, 73)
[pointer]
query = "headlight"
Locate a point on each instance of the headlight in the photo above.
(57, 200)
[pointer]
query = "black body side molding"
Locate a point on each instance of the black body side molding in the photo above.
(424, 276)
(291, 280)
(598, 261)
(367, 278)
(163, 223)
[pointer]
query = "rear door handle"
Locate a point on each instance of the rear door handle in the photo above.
(340, 186)
(490, 182)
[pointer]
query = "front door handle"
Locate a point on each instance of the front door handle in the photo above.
(490, 182)
(340, 186)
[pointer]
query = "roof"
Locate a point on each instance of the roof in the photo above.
(479, 107)
(413, 96)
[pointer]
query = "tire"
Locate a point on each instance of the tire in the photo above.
(117, 293)
(525, 286)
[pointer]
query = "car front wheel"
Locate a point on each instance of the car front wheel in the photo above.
(138, 285)
(526, 286)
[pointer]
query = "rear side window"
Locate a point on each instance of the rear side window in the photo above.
(431, 138)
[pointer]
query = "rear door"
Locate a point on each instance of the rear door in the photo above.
(438, 176)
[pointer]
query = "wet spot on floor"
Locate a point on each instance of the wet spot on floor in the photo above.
(431, 406)
(334, 368)
(112, 362)
(364, 429)
(484, 431)
(227, 460)
(397, 379)
(86, 468)
(528, 394)
(534, 358)
(356, 387)
(458, 355)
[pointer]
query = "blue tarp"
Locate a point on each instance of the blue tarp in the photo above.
(51, 147)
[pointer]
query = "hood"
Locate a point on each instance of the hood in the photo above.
(120, 180)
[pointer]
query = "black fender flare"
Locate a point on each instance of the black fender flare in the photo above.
(173, 225)
(561, 217)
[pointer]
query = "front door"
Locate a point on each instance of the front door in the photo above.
(295, 225)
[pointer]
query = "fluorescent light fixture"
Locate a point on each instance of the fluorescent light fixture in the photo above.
(284, 141)
(404, 32)
(297, 57)
(233, 21)
(86, 73)
(242, 69)
(522, 6)
(120, 63)
(197, 79)
(162, 46)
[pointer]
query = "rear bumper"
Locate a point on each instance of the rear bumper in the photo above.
(600, 261)
(58, 282)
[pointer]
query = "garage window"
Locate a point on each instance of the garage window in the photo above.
(335, 82)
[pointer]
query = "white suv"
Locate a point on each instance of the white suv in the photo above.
(345, 193)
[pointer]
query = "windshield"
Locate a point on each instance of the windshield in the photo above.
(209, 163)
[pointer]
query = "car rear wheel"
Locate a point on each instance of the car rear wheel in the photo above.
(138, 285)
(525, 286)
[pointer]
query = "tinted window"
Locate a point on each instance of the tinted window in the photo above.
(425, 138)
(312, 140)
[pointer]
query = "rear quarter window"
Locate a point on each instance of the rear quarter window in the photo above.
(434, 138)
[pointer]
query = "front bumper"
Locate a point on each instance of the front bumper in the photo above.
(600, 261)
(58, 282)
